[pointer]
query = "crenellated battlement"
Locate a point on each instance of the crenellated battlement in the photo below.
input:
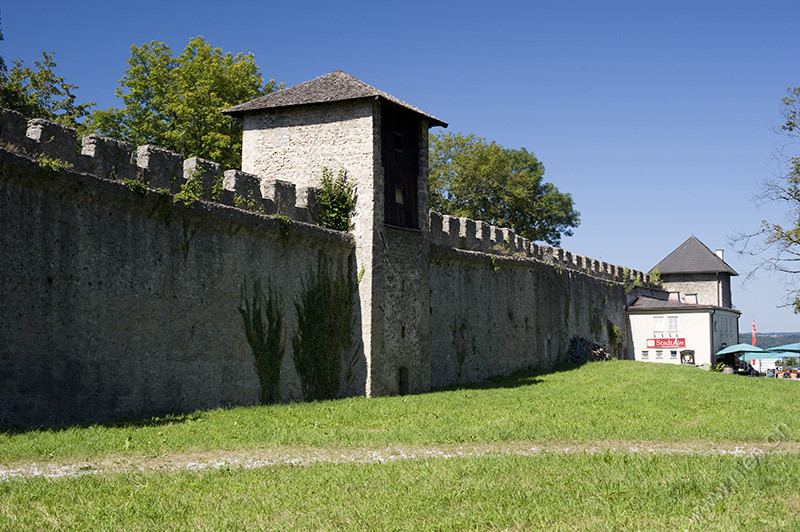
(155, 167)
(473, 235)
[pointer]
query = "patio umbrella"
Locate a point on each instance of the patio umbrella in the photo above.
(741, 348)
(794, 348)
(760, 356)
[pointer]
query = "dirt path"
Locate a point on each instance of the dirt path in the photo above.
(287, 456)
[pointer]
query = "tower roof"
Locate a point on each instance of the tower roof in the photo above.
(334, 87)
(693, 257)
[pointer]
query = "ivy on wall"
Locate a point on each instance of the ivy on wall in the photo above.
(261, 314)
(324, 324)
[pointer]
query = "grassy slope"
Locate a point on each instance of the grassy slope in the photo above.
(615, 400)
(605, 491)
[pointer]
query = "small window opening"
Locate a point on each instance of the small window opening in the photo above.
(399, 196)
(403, 331)
(398, 142)
(402, 380)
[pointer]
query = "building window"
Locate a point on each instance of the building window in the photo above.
(659, 355)
(658, 324)
(645, 355)
(672, 324)
(691, 298)
(673, 355)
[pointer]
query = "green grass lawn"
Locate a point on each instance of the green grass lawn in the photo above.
(610, 491)
(598, 402)
(613, 400)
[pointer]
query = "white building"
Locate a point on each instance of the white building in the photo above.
(693, 317)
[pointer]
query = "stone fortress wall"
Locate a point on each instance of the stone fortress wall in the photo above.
(501, 303)
(116, 303)
(119, 302)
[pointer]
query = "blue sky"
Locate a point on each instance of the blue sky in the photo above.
(658, 117)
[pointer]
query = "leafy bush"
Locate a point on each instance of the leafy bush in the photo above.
(336, 200)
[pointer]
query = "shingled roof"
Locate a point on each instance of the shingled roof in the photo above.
(647, 304)
(693, 257)
(334, 87)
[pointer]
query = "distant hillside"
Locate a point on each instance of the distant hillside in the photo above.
(766, 340)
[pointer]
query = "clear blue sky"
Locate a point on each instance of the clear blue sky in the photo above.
(657, 117)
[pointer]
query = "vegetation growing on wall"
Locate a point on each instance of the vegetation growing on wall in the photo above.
(324, 324)
(459, 330)
(50, 168)
(135, 186)
(248, 202)
(614, 335)
(630, 282)
(336, 200)
(655, 278)
(261, 314)
(191, 191)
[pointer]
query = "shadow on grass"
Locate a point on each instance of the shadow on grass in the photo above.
(525, 377)
(155, 421)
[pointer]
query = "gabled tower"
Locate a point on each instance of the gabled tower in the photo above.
(339, 122)
(697, 274)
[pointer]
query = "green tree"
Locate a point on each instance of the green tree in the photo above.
(777, 244)
(39, 93)
(2, 61)
(485, 181)
(176, 102)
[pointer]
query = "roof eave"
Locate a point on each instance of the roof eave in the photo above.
(693, 308)
(237, 111)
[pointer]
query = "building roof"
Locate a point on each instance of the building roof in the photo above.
(693, 257)
(644, 304)
(334, 87)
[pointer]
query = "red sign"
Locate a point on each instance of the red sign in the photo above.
(666, 342)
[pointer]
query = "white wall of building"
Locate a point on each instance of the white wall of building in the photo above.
(661, 335)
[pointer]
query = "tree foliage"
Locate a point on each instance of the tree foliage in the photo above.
(176, 102)
(779, 241)
(39, 93)
(484, 181)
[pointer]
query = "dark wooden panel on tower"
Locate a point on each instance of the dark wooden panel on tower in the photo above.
(400, 156)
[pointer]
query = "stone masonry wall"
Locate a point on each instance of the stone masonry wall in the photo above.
(500, 303)
(711, 289)
(295, 144)
(119, 302)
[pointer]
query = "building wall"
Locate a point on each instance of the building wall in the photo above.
(401, 297)
(726, 329)
(294, 144)
(704, 330)
(711, 289)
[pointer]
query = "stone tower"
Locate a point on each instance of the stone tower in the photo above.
(695, 274)
(339, 122)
